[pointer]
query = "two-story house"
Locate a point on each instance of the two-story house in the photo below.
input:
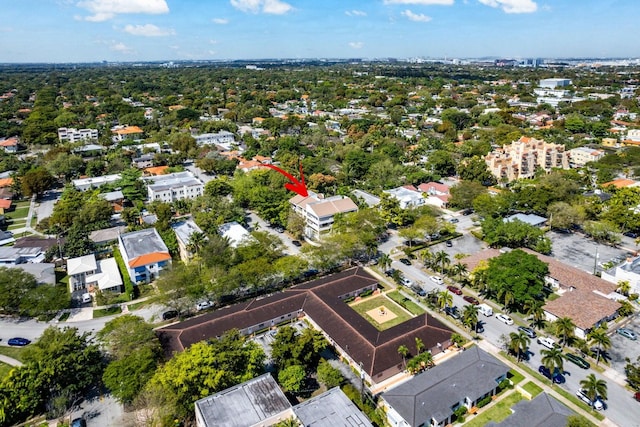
(319, 213)
(144, 253)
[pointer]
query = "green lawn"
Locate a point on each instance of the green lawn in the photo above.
(515, 376)
(14, 352)
(106, 312)
(406, 303)
(532, 389)
(373, 303)
(19, 213)
(498, 412)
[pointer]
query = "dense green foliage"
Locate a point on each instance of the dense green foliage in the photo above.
(20, 294)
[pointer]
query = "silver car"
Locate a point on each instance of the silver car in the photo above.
(627, 333)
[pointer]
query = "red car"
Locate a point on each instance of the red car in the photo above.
(470, 300)
(637, 396)
(454, 290)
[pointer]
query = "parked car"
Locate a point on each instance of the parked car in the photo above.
(470, 300)
(437, 280)
(296, 243)
(203, 305)
(630, 234)
(547, 342)
(78, 422)
(504, 318)
(528, 331)
(637, 396)
(448, 243)
(406, 282)
(454, 220)
(557, 377)
(170, 314)
(479, 328)
(627, 333)
(405, 261)
(467, 212)
(452, 311)
(20, 342)
(454, 290)
(577, 360)
(86, 297)
(596, 404)
(390, 272)
(418, 290)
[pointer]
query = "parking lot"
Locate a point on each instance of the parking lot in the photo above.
(579, 251)
(622, 347)
(465, 244)
(265, 339)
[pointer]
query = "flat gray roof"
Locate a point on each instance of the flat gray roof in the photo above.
(185, 229)
(331, 409)
(245, 404)
(142, 242)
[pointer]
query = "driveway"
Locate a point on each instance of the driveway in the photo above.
(44, 207)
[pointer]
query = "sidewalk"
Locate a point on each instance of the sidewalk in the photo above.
(10, 360)
(86, 313)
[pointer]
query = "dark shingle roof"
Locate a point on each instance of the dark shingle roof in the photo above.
(543, 411)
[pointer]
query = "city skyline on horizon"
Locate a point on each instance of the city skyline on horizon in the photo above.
(89, 31)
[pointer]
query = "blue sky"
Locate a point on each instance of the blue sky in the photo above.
(145, 30)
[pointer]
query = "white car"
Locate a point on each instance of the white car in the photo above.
(436, 279)
(504, 318)
(203, 305)
(597, 404)
(408, 283)
(547, 342)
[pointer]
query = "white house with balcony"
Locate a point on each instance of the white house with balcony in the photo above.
(172, 187)
(319, 213)
(74, 135)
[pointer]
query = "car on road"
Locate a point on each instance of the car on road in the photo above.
(169, 314)
(479, 328)
(547, 342)
(454, 220)
(418, 290)
(78, 422)
(470, 300)
(596, 404)
(630, 234)
(527, 331)
(279, 229)
(20, 342)
(405, 261)
(437, 279)
(406, 282)
(573, 358)
(203, 305)
(296, 243)
(454, 290)
(452, 311)
(557, 377)
(467, 212)
(627, 333)
(448, 243)
(390, 272)
(637, 396)
(504, 318)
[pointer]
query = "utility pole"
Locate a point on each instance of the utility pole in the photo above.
(595, 261)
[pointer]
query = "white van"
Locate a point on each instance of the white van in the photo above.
(485, 309)
(86, 298)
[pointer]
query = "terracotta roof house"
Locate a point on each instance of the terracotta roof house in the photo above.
(5, 205)
(321, 301)
(144, 253)
(577, 289)
(10, 145)
(437, 193)
(430, 398)
(121, 133)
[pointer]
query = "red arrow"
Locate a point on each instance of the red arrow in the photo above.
(296, 186)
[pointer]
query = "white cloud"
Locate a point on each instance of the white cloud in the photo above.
(356, 45)
(273, 7)
(421, 2)
(212, 41)
(122, 48)
(417, 17)
(103, 10)
(355, 13)
(512, 6)
(148, 30)
(220, 21)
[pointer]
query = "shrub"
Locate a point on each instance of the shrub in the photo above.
(484, 402)
(366, 293)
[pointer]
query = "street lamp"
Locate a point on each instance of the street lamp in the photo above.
(595, 261)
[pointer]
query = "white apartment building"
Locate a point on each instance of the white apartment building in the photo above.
(553, 83)
(578, 157)
(221, 138)
(73, 135)
(319, 213)
(85, 184)
(172, 187)
(522, 158)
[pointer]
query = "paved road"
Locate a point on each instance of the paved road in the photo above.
(44, 207)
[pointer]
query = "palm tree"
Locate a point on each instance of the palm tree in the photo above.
(506, 296)
(534, 310)
(196, 242)
(403, 350)
(426, 256)
(384, 261)
(518, 343)
(599, 338)
(442, 259)
(419, 345)
(459, 269)
(444, 299)
(624, 287)
(565, 329)
(552, 358)
(593, 387)
(470, 316)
